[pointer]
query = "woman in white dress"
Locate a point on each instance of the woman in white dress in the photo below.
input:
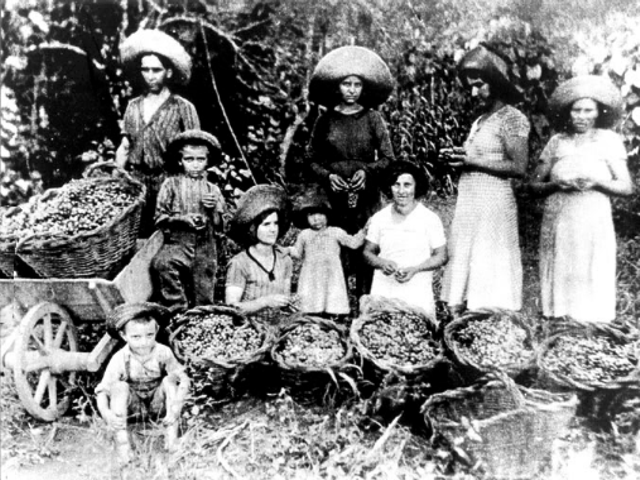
(405, 241)
(579, 169)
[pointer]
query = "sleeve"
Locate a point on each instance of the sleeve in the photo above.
(514, 131)
(128, 124)
(374, 230)
(113, 373)
(615, 148)
(383, 146)
(549, 151)
(236, 276)
(350, 241)
(220, 203)
(316, 150)
(297, 250)
(189, 115)
(169, 360)
(164, 211)
(437, 237)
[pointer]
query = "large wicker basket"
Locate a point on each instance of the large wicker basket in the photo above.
(472, 370)
(508, 429)
(596, 396)
(8, 245)
(220, 379)
(376, 369)
(100, 253)
(314, 384)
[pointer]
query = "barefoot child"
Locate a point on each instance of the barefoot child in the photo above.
(143, 379)
(322, 287)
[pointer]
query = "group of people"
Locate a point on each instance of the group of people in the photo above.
(346, 231)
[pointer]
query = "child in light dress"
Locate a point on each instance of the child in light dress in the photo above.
(322, 287)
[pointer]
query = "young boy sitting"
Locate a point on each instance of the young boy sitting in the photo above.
(189, 211)
(143, 379)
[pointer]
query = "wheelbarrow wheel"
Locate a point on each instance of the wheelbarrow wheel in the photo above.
(43, 393)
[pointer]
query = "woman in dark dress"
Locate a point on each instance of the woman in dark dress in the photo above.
(350, 145)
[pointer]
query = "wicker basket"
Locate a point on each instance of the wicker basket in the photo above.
(470, 369)
(100, 253)
(376, 369)
(508, 429)
(314, 384)
(595, 396)
(221, 379)
(8, 246)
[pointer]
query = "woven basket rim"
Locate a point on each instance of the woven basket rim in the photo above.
(224, 363)
(39, 241)
(586, 330)
(405, 369)
(303, 320)
(479, 315)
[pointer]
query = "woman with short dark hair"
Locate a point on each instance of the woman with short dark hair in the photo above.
(485, 268)
(405, 241)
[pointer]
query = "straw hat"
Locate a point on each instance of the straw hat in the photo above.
(596, 87)
(493, 68)
(344, 62)
(255, 201)
(155, 42)
(192, 137)
(123, 314)
(315, 199)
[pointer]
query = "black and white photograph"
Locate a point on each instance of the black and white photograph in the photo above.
(320, 240)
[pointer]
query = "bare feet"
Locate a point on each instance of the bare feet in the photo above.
(171, 437)
(123, 447)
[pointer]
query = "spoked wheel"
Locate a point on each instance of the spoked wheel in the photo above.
(43, 391)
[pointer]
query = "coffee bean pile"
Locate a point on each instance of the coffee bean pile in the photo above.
(310, 345)
(493, 342)
(216, 336)
(77, 207)
(588, 360)
(399, 338)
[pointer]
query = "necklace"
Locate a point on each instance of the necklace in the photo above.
(270, 273)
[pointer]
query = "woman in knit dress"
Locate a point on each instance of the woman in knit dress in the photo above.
(350, 144)
(485, 267)
(154, 118)
(259, 277)
(579, 169)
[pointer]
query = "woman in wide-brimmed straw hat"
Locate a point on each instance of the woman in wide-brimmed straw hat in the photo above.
(259, 277)
(155, 117)
(350, 144)
(405, 240)
(579, 169)
(322, 286)
(485, 267)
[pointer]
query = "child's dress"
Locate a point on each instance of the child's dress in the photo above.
(322, 287)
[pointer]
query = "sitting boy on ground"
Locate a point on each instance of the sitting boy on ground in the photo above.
(189, 212)
(143, 379)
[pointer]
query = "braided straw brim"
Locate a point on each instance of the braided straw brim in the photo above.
(195, 137)
(315, 199)
(123, 314)
(344, 62)
(596, 87)
(156, 42)
(255, 201)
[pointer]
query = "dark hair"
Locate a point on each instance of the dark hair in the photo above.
(252, 233)
(401, 167)
(563, 119)
(498, 90)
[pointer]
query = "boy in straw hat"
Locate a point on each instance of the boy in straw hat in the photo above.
(143, 379)
(189, 212)
(155, 117)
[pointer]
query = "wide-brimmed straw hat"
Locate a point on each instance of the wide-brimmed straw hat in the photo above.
(311, 200)
(254, 202)
(123, 314)
(335, 66)
(492, 68)
(144, 42)
(596, 87)
(191, 137)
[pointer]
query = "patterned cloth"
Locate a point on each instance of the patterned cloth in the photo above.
(148, 142)
(245, 273)
(322, 287)
(408, 242)
(577, 239)
(485, 268)
(343, 144)
(184, 270)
